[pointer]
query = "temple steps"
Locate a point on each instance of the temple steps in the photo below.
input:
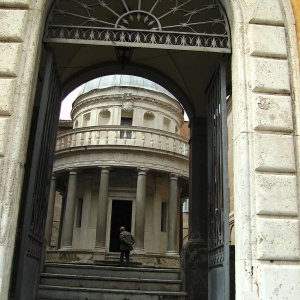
(103, 282)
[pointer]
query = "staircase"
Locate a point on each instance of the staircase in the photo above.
(109, 282)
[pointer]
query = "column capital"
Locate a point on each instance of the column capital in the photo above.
(173, 176)
(104, 169)
(53, 176)
(142, 171)
(72, 171)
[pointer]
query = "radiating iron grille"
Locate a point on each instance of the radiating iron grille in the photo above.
(180, 24)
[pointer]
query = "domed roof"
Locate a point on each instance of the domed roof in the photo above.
(124, 81)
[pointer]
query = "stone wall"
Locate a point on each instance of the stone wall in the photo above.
(20, 36)
(265, 161)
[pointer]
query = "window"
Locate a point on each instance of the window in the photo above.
(163, 224)
(126, 134)
(185, 206)
(79, 212)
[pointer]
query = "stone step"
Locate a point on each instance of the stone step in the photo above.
(111, 271)
(77, 293)
(116, 262)
(110, 282)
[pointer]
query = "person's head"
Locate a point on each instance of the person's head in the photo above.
(122, 228)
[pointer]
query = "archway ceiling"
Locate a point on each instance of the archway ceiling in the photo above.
(185, 73)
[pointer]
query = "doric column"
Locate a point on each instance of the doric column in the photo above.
(61, 218)
(140, 210)
(102, 208)
(69, 211)
(50, 211)
(172, 216)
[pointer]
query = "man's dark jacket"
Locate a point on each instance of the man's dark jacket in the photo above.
(126, 240)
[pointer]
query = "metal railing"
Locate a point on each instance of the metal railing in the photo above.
(123, 135)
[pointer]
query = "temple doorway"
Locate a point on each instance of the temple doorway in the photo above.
(121, 215)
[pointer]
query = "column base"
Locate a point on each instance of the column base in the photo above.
(99, 254)
(100, 249)
(172, 252)
(67, 248)
(138, 251)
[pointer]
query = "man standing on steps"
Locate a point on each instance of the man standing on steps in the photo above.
(126, 244)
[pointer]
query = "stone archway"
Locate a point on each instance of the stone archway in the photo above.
(210, 42)
(263, 83)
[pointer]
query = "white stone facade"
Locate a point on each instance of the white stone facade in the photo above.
(265, 84)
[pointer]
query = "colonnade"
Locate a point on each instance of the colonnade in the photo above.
(102, 208)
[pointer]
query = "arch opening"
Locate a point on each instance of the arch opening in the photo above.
(176, 70)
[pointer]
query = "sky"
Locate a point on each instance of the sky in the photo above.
(66, 105)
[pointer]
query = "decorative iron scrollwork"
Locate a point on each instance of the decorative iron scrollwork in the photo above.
(180, 24)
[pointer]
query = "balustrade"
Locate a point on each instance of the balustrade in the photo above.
(123, 135)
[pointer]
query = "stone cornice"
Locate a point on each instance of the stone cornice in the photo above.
(122, 156)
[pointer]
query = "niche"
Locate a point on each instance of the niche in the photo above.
(149, 119)
(104, 117)
(86, 120)
(167, 124)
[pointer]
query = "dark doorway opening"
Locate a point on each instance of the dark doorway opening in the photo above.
(121, 214)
